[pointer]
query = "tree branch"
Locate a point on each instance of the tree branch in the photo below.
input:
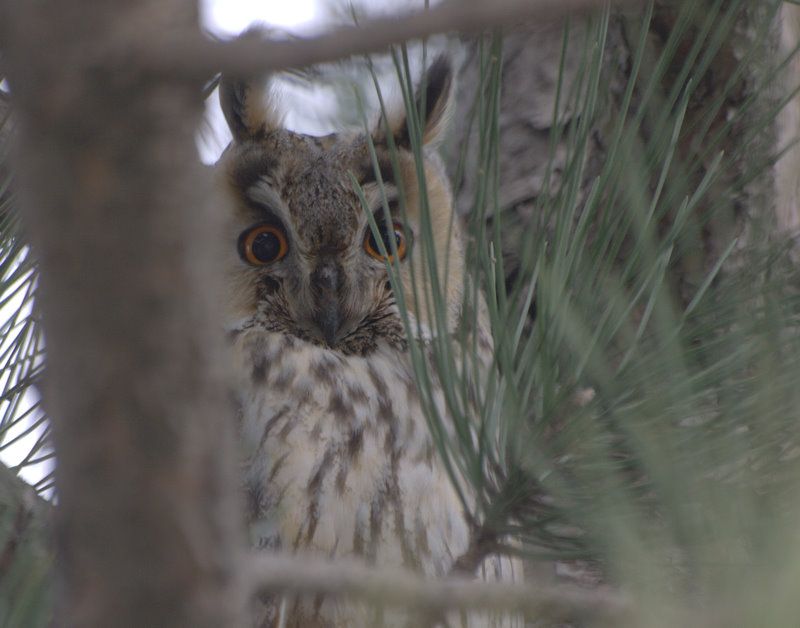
(148, 529)
(253, 55)
(271, 574)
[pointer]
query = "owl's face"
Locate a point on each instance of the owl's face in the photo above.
(303, 259)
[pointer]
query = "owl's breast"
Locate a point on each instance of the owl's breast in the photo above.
(338, 456)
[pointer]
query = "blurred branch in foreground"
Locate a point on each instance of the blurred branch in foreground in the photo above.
(307, 575)
(147, 525)
(252, 55)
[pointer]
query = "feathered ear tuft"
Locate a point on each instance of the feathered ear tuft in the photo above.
(247, 109)
(438, 94)
(434, 102)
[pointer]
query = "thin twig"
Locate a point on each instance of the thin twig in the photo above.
(274, 574)
(252, 55)
(483, 542)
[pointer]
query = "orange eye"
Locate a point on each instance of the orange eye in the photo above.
(372, 247)
(263, 244)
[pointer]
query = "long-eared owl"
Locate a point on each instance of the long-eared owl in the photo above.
(338, 456)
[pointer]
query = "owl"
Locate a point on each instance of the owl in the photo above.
(339, 460)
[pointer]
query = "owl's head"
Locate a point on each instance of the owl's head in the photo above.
(303, 258)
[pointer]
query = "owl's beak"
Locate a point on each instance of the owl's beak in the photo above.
(328, 320)
(326, 281)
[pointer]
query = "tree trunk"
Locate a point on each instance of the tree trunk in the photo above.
(118, 208)
(734, 85)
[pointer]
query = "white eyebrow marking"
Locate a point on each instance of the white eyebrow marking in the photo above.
(373, 196)
(262, 193)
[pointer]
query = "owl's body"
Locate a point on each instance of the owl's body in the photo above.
(342, 464)
(339, 459)
(351, 467)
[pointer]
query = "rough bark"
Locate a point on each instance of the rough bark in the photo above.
(532, 55)
(148, 530)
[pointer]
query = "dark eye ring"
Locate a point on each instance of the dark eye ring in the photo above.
(372, 247)
(263, 244)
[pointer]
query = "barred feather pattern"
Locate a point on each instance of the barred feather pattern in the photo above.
(340, 463)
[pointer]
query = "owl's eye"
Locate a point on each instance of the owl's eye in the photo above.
(396, 231)
(263, 244)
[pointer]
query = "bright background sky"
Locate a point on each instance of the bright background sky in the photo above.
(302, 106)
(230, 17)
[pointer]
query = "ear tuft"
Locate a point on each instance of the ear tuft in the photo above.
(233, 95)
(433, 99)
(437, 90)
(247, 109)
